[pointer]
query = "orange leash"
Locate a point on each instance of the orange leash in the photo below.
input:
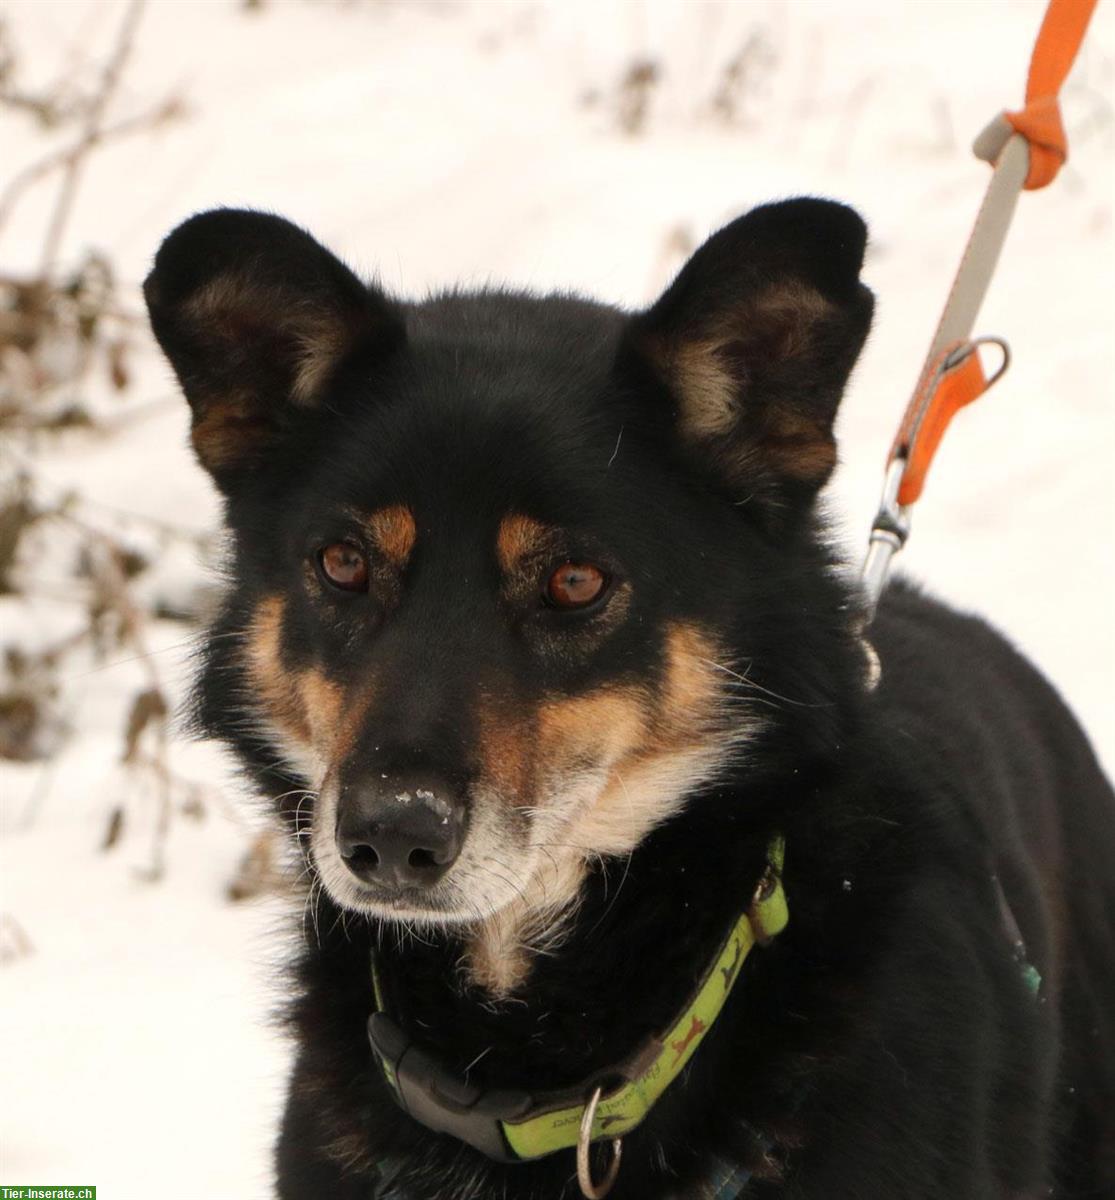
(1027, 149)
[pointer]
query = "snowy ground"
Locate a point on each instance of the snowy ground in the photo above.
(436, 142)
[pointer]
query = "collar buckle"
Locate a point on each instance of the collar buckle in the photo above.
(440, 1100)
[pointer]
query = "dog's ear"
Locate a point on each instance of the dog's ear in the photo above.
(754, 341)
(255, 316)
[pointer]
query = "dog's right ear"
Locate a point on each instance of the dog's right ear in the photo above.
(255, 316)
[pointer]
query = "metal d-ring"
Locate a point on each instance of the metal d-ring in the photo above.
(590, 1190)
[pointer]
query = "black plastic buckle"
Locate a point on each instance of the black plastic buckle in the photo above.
(442, 1101)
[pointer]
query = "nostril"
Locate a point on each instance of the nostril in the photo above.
(361, 858)
(423, 860)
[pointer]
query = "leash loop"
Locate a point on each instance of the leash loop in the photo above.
(589, 1189)
(1039, 121)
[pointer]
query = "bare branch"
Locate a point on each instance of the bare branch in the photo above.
(168, 110)
(109, 81)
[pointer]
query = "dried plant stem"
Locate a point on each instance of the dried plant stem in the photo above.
(57, 504)
(162, 772)
(71, 155)
(151, 709)
(90, 135)
(121, 600)
(33, 804)
(14, 942)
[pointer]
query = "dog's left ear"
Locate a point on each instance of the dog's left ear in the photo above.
(754, 341)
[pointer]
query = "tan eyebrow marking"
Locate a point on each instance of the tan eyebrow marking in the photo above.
(518, 536)
(394, 532)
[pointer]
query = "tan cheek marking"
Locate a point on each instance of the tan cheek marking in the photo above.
(505, 746)
(307, 707)
(665, 755)
(614, 723)
(322, 705)
(271, 679)
(518, 537)
(602, 726)
(350, 720)
(691, 698)
(394, 532)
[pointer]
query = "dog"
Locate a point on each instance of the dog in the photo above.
(620, 873)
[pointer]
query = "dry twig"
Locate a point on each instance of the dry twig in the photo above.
(90, 135)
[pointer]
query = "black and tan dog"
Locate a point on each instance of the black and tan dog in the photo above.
(535, 636)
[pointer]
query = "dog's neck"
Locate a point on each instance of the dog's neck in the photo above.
(625, 958)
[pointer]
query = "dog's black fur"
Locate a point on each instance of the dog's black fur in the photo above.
(885, 1044)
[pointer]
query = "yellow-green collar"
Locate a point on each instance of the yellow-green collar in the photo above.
(511, 1126)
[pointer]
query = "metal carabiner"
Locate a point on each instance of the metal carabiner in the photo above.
(889, 532)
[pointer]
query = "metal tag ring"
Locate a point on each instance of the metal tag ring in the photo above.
(589, 1189)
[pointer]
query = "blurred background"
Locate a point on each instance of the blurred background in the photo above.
(586, 146)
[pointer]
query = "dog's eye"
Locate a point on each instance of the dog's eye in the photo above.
(575, 585)
(344, 566)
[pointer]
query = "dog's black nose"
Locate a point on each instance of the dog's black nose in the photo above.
(405, 831)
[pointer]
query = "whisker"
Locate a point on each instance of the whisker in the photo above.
(750, 683)
(195, 641)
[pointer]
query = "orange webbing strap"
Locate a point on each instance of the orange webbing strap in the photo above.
(1026, 149)
(1040, 122)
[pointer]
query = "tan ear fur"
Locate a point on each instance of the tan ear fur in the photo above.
(714, 374)
(754, 341)
(232, 307)
(256, 317)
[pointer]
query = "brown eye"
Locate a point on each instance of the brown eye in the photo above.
(575, 585)
(344, 566)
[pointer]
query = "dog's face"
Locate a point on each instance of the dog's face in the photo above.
(494, 556)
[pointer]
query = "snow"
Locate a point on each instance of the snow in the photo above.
(441, 142)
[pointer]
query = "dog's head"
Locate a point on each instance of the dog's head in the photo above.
(511, 576)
